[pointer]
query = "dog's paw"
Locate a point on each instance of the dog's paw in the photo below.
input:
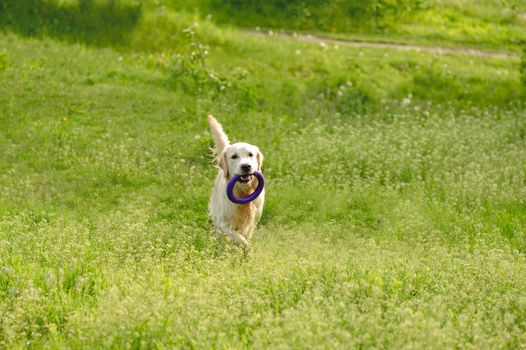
(241, 240)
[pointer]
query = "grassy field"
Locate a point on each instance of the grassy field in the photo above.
(489, 24)
(395, 213)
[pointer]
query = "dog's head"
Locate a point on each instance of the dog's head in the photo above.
(241, 159)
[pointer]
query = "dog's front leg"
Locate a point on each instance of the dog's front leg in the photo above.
(236, 236)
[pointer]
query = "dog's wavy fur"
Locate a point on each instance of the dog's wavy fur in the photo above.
(236, 221)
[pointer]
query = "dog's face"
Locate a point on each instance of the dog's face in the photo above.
(241, 159)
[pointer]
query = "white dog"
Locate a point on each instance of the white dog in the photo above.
(237, 221)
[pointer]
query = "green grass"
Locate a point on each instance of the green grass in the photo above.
(488, 24)
(395, 213)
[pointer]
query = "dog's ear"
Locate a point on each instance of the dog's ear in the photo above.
(259, 157)
(224, 165)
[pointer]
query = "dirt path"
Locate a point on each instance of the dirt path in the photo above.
(405, 47)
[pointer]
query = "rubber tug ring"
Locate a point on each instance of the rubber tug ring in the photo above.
(250, 197)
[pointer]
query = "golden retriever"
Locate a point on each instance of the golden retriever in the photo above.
(236, 221)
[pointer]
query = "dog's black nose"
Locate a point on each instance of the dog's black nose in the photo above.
(246, 167)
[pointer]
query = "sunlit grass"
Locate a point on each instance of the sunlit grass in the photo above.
(395, 214)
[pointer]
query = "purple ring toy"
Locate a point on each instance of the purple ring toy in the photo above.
(250, 197)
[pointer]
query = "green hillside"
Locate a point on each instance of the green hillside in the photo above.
(492, 24)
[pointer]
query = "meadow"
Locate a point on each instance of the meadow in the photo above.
(490, 24)
(396, 186)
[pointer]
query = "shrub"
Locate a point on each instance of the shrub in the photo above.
(190, 71)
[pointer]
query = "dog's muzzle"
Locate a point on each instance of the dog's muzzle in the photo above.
(245, 178)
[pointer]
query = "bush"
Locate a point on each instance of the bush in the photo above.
(190, 72)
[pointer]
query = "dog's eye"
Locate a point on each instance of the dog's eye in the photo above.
(234, 156)
(250, 155)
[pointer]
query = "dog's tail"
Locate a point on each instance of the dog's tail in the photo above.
(220, 139)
